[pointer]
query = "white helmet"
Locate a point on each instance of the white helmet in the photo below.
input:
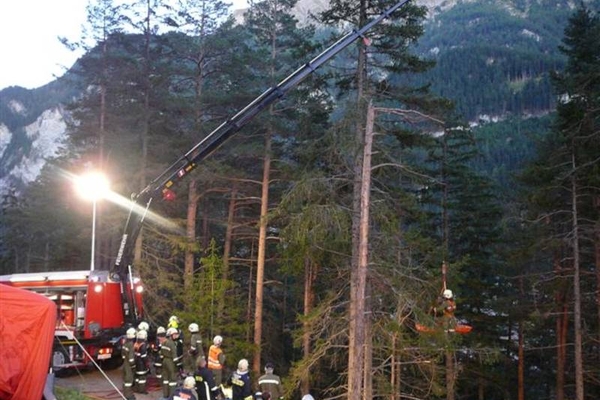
(161, 330)
(142, 335)
(447, 294)
(143, 326)
(307, 397)
(173, 318)
(189, 383)
(243, 365)
(172, 331)
(130, 333)
(218, 340)
(193, 328)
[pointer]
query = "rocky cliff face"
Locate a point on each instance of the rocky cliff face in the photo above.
(24, 150)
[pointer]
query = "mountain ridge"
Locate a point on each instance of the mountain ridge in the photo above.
(464, 37)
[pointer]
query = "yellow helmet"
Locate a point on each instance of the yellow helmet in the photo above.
(173, 322)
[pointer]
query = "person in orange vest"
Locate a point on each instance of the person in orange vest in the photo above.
(216, 359)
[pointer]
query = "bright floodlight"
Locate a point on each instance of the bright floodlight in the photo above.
(92, 186)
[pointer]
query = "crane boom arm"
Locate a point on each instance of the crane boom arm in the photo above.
(189, 161)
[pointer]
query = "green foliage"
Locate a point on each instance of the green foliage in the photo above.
(69, 394)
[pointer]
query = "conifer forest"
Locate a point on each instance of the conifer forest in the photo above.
(321, 236)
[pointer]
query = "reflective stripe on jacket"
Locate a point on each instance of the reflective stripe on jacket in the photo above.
(213, 357)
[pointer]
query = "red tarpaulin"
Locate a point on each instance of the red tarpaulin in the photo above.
(27, 322)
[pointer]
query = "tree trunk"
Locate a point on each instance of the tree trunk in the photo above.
(394, 370)
(368, 369)
(188, 269)
(579, 388)
(144, 131)
(521, 352)
(309, 296)
(227, 245)
(260, 262)
(561, 334)
(358, 277)
(356, 308)
(450, 375)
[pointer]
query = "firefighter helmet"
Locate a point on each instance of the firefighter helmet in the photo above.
(243, 365)
(173, 322)
(218, 340)
(447, 294)
(172, 331)
(142, 334)
(194, 328)
(143, 326)
(130, 333)
(161, 330)
(189, 383)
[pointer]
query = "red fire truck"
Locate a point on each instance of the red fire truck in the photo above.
(92, 315)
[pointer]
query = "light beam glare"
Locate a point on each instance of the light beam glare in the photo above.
(127, 204)
(155, 218)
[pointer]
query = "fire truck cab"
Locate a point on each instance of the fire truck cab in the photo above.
(92, 315)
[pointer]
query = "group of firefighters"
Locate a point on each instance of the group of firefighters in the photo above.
(206, 383)
(168, 357)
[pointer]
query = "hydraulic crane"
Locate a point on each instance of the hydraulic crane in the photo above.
(161, 186)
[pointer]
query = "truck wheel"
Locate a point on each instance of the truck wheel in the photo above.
(59, 359)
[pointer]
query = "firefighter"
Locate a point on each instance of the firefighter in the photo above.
(241, 387)
(128, 355)
(186, 392)
(141, 361)
(270, 382)
(196, 349)
(178, 340)
(216, 359)
(168, 350)
(173, 322)
(158, 358)
(205, 382)
(446, 306)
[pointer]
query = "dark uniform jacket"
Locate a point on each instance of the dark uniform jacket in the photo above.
(240, 386)
(205, 384)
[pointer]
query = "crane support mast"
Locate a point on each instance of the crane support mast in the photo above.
(189, 161)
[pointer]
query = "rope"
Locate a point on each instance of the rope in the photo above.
(93, 361)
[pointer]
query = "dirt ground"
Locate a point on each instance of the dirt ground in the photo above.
(94, 384)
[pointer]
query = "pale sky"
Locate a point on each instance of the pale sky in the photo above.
(31, 55)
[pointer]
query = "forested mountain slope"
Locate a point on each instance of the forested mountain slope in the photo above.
(493, 57)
